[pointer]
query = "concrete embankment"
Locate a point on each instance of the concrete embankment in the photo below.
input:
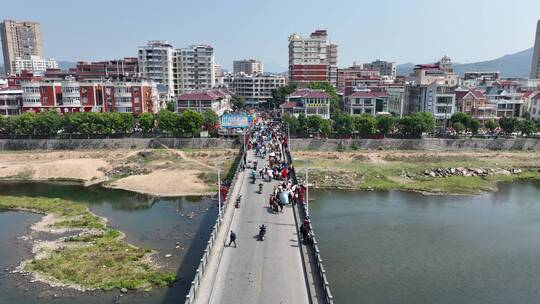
(116, 143)
(433, 144)
(297, 144)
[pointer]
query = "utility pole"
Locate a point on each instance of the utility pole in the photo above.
(307, 190)
(219, 189)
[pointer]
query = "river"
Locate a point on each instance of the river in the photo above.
(158, 223)
(400, 247)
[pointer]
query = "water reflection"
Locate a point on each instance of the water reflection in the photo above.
(399, 247)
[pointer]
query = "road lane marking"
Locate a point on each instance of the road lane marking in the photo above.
(260, 279)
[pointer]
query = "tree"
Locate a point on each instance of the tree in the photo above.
(190, 122)
(292, 122)
(416, 124)
(167, 121)
(302, 124)
(462, 118)
(238, 102)
(458, 127)
(48, 123)
(25, 123)
(280, 94)
(334, 98)
(526, 127)
(365, 125)
(508, 124)
(385, 124)
(326, 127)
(491, 125)
(210, 122)
(314, 124)
(474, 126)
(171, 106)
(146, 121)
(344, 125)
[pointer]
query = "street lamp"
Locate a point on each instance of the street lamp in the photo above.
(307, 187)
(220, 211)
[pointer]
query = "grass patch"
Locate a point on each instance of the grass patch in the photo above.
(405, 171)
(96, 258)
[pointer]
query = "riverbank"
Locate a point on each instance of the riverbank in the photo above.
(412, 170)
(74, 248)
(158, 172)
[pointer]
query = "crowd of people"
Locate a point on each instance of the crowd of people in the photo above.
(269, 140)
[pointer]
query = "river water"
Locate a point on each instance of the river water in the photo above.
(158, 223)
(399, 247)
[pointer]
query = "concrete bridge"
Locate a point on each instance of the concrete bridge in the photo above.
(280, 269)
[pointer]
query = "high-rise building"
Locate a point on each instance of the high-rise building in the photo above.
(247, 66)
(194, 69)
(385, 68)
(156, 64)
(535, 66)
(20, 39)
(312, 59)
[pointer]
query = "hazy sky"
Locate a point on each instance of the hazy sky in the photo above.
(400, 30)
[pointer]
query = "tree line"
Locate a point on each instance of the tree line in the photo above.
(411, 126)
(51, 123)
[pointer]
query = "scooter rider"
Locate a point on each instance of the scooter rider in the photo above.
(262, 232)
(260, 188)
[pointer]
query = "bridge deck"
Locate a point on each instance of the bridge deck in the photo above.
(261, 272)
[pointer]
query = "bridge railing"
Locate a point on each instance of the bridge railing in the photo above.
(314, 248)
(190, 297)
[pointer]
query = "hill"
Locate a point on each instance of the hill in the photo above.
(512, 65)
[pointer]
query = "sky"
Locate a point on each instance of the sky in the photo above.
(417, 31)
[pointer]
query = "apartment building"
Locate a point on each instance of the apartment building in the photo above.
(308, 102)
(193, 69)
(33, 64)
(211, 100)
(433, 98)
(10, 101)
(385, 68)
(248, 66)
(256, 89)
(116, 69)
(440, 72)
(155, 62)
(70, 95)
(312, 59)
(534, 105)
(20, 39)
(357, 75)
(508, 103)
(535, 64)
(396, 100)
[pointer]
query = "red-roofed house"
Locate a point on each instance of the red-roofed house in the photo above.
(309, 102)
(474, 103)
(366, 102)
(212, 100)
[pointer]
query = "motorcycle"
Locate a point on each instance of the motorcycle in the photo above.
(260, 188)
(262, 232)
(237, 202)
(253, 176)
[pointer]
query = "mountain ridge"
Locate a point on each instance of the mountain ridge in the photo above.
(511, 65)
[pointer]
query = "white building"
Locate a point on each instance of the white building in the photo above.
(33, 64)
(248, 66)
(10, 101)
(156, 64)
(396, 100)
(256, 89)
(194, 69)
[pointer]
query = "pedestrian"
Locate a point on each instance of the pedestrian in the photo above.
(281, 206)
(232, 239)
